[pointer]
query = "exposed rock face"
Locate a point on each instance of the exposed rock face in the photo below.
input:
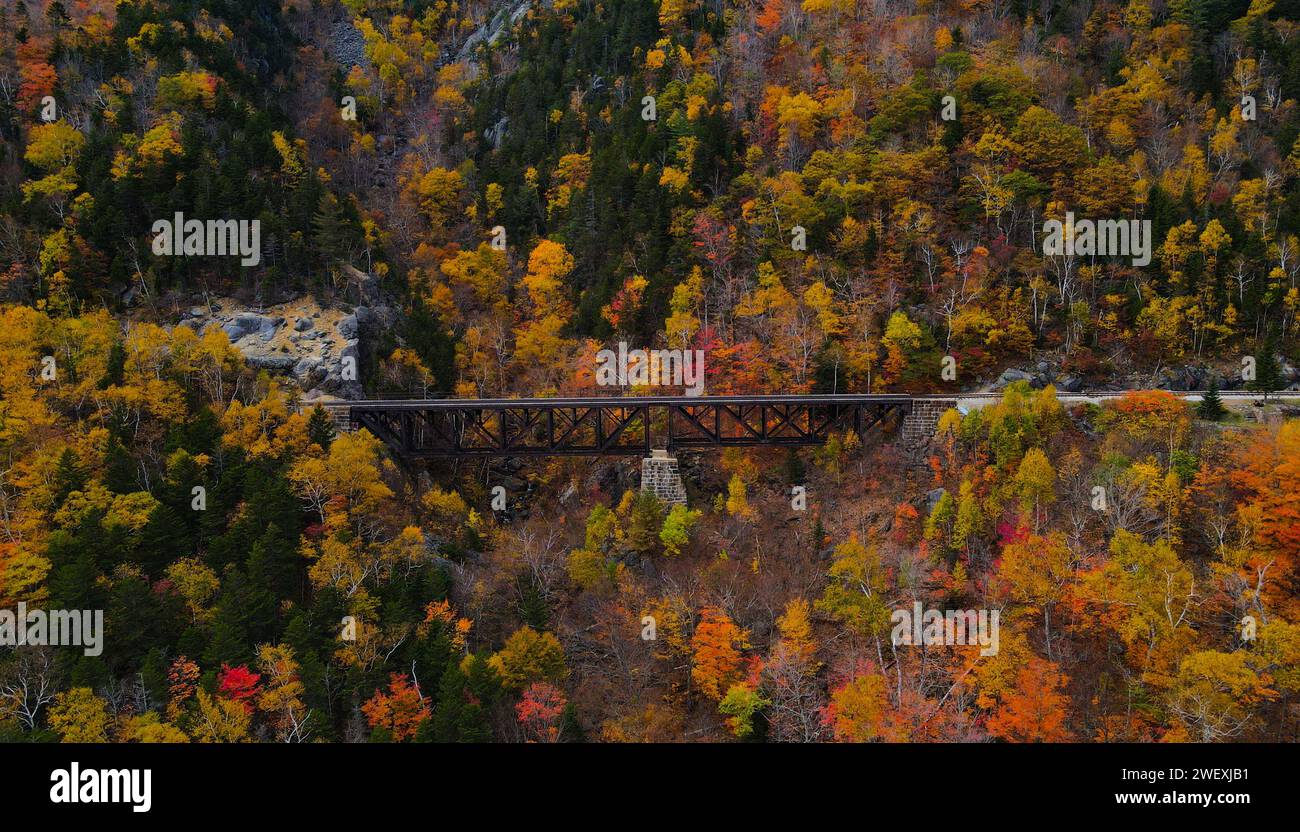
(494, 29)
(250, 323)
(1070, 383)
(1177, 378)
(1010, 375)
(347, 46)
(497, 132)
(310, 372)
(299, 339)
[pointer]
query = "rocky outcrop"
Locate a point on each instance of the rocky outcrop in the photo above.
(317, 347)
(346, 44)
(1009, 376)
(251, 323)
(1177, 378)
(494, 29)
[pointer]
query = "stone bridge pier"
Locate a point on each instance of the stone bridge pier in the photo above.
(922, 420)
(661, 477)
(339, 411)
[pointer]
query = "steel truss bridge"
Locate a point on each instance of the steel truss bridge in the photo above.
(632, 425)
(608, 425)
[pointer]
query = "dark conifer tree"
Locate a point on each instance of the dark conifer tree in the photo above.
(1268, 372)
(120, 475)
(68, 477)
(320, 427)
(1211, 405)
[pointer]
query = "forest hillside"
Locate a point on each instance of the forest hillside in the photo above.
(474, 199)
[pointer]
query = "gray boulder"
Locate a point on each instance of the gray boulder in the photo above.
(1009, 376)
(1070, 383)
(275, 362)
(250, 323)
(309, 371)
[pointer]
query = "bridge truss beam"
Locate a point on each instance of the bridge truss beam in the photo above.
(614, 426)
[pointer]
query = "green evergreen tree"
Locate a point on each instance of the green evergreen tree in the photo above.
(113, 373)
(1211, 405)
(274, 563)
(73, 573)
(444, 725)
(533, 609)
(473, 726)
(570, 727)
(164, 539)
(68, 477)
(120, 469)
(483, 681)
(153, 674)
(138, 619)
(646, 520)
(1268, 372)
(241, 621)
(320, 427)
